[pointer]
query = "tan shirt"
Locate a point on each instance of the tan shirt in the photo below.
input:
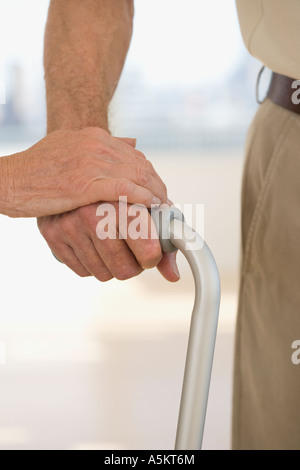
(271, 32)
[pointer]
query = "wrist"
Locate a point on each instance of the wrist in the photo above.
(65, 112)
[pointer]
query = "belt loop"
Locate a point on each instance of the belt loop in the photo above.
(257, 85)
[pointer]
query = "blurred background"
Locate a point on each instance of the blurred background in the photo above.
(100, 366)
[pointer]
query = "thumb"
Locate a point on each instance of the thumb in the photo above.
(168, 267)
(128, 141)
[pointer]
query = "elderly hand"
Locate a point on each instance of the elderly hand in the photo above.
(71, 169)
(73, 239)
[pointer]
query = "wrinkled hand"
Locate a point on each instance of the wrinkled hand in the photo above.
(71, 169)
(73, 239)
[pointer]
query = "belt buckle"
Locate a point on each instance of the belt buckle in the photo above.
(258, 100)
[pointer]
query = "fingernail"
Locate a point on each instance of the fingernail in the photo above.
(175, 268)
(156, 201)
(170, 203)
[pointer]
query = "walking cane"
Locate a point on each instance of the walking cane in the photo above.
(175, 234)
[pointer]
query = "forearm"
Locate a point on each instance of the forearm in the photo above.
(86, 43)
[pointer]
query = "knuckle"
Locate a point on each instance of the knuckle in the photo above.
(123, 187)
(99, 270)
(140, 155)
(143, 176)
(150, 256)
(83, 274)
(88, 217)
(140, 211)
(104, 276)
(92, 144)
(149, 166)
(164, 188)
(127, 272)
(49, 232)
(67, 225)
(76, 267)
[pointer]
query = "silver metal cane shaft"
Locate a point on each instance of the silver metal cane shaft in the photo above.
(202, 337)
(175, 234)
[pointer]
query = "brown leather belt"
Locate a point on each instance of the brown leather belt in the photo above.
(282, 93)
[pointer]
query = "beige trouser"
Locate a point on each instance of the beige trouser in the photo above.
(266, 404)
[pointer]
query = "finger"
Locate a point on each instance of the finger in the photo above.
(67, 256)
(61, 250)
(114, 189)
(144, 169)
(141, 236)
(117, 257)
(144, 166)
(73, 229)
(142, 175)
(90, 259)
(168, 267)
